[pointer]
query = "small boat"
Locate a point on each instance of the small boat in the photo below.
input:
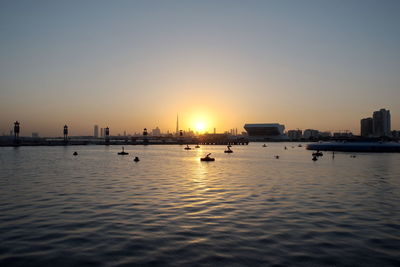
(207, 158)
(264, 145)
(136, 159)
(123, 152)
(277, 157)
(317, 154)
(228, 150)
(197, 146)
(75, 153)
(187, 147)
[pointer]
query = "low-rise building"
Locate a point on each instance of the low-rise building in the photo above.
(294, 135)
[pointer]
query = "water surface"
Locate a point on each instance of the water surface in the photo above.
(246, 208)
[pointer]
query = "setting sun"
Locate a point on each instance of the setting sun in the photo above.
(200, 127)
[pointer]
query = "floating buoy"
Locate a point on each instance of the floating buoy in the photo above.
(123, 152)
(228, 150)
(207, 158)
(136, 159)
(75, 153)
(317, 154)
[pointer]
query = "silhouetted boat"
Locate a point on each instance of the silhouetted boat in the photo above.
(123, 152)
(277, 157)
(187, 147)
(228, 150)
(197, 146)
(207, 158)
(356, 146)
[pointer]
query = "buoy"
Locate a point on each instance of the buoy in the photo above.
(123, 152)
(277, 157)
(207, 158)
(75, 153)
(136, 159)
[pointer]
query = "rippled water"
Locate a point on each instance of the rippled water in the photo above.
(246, 208)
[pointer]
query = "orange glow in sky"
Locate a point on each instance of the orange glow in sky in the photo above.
(136, 64)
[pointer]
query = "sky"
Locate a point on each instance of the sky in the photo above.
(135, 64)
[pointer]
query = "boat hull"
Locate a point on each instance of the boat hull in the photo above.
(356, 146)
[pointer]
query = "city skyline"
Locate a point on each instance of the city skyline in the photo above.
(134, 65)
(379, 125)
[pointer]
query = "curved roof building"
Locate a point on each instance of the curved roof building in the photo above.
(265, 132)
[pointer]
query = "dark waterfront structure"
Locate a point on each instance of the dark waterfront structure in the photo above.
(96, 131)
(356, 146)
(381, 122)
(222, 139)
(295, 135)
(65, 132)
(16, 132)
(262, 132)
(107, 136)
(377, 126)
(366, 127)
(145, 133)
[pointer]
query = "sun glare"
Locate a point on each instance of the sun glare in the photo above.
(200, 126)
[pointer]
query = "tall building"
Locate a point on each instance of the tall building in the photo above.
(96, 131)
(101, 132)
(366, 127)
(381, 123)
(177, 124)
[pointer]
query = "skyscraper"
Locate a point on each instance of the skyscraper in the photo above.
(366, 127)
(96, 131)
(381, 123)
(177, 124)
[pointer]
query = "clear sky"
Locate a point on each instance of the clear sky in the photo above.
(135, 64)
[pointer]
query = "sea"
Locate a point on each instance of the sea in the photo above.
(247, 208)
